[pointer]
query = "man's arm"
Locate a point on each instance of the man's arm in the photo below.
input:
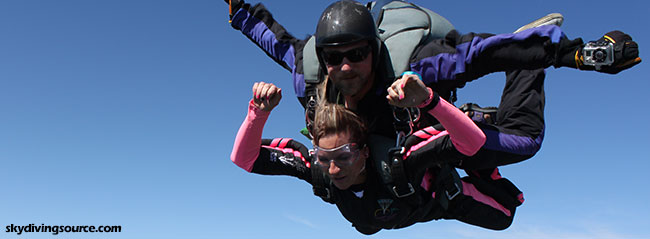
(467, 57)
(257, 23)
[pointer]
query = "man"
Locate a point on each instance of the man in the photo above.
(354, 59)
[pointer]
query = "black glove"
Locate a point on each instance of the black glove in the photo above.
(626, 52)
(234, 2)
(234, 6)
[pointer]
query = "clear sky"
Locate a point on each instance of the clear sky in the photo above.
(124, 113)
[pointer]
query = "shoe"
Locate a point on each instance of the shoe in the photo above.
(550, 19)
(487, 115)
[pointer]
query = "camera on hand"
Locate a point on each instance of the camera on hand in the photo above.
(598, 54)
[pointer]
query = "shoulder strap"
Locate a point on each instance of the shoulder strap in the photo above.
(321, 184)
(312, 77)
(310, 64)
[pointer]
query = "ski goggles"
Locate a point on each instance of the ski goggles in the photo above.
(343, 156)
(334, 58)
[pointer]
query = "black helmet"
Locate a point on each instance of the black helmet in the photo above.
(345, 22)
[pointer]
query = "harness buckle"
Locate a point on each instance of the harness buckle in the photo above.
(406, 118)
(411, 191)
(310, 114)
(454, 194)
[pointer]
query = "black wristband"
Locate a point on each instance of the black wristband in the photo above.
(433, 103)
(568, 53)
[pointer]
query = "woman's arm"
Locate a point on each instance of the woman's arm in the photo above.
(266, 96)
(280, 156)
(465, 135)
(249, 138)
(410, 91)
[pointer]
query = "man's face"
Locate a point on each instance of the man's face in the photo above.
(354, 71)
(341, 161)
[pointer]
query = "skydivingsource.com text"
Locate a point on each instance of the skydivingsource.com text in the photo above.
(55, 230)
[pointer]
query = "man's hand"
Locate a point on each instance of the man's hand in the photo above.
(233, 2)
(233, 6)
(626, 52)
(408, 91)
(266, 96)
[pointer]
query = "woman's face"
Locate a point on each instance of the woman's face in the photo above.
(334, 155)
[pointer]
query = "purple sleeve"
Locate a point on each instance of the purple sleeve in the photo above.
(261, 31)
(257, 23)
(474, 54)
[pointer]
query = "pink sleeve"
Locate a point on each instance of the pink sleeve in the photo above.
(249, 138)
(465, 135)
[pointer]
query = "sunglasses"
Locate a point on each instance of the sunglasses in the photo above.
(343, 156)
(334, 58)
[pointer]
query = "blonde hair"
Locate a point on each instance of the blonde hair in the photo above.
(335, 119)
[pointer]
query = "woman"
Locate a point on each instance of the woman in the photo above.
(342, 154)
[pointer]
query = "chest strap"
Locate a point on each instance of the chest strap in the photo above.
(390, 167)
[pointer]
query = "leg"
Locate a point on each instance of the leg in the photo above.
(519, 129)
(479, 214)
(488, 200)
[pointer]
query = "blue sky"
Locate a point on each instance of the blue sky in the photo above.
(124, 112)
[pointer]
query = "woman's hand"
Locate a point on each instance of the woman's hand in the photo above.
(408, 91)
(266, 96)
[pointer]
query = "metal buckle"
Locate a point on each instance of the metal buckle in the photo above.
(406, 114)
(412, 191)
(310, 113)
(411, 117)
(458, 190)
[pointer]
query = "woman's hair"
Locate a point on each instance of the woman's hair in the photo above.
(334, 119)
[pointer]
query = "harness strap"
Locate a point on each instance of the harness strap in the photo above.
(310, 114)
(310, 65)
(321, 185)
(449, 185)
(389, 163)
(401, 186)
